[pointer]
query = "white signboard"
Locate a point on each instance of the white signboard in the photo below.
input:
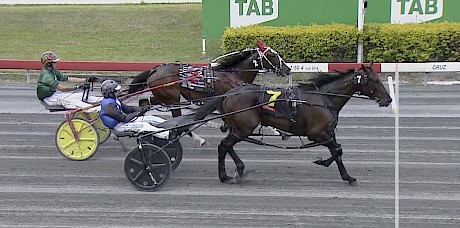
(308, 67)
(431, 67)
(415, 11)
(249, 12)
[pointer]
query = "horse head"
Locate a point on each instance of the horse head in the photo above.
(369, 84)
(271, 59)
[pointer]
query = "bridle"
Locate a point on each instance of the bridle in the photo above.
(263, 55)
(360, 79)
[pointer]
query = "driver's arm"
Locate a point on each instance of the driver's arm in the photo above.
(76, 80)
(65, 88)
(70, 88)
(112, 111)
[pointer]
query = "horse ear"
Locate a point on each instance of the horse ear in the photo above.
(262, 47)
(372, 63)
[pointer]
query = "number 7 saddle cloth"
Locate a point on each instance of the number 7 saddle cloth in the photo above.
(282, 105)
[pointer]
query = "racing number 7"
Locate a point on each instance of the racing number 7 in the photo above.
(275, 95)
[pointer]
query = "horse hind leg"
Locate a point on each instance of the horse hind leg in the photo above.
(226, 146)
(199, 139)
(239, 171)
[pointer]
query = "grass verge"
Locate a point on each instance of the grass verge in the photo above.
(126, 32)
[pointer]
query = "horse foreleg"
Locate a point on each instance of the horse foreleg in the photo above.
(332, 146)
(336, 152)
(343, 172)
(326, 162)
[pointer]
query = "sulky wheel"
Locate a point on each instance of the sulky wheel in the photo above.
(70, 147)
(173, 150)
(102, 130)
(93, 117)
(152, 174)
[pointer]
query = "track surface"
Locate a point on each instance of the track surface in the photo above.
(41, 188)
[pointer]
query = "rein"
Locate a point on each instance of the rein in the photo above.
(337, 95)
(201, 100)
(157, 87)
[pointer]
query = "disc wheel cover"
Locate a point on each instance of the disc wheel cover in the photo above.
(137, 171)
(173, 150)
(102, 130)
(74, 149)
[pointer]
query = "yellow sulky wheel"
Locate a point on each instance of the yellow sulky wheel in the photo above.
(74, 149)
(93, 117)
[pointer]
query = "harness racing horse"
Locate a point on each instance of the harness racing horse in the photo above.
(318, 105)
(226, 72)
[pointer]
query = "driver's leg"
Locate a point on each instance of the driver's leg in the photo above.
(139, 126)
(73, 101)
(154, 120)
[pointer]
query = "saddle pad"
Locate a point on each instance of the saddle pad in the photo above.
(281, 108)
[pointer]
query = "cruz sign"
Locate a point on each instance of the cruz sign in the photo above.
(219, 14)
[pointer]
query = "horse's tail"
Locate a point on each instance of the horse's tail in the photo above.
(208, 107)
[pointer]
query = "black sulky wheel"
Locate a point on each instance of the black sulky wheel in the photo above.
(152, 174)
(174, 150)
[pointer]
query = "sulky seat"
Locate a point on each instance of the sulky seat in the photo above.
(120, 134)
(53, 108)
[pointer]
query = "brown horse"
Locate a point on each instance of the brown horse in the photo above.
(226, 72)
(316, 114)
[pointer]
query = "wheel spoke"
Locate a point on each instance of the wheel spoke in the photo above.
(151, 154)
(158, 165)
(92, 139)
(70, 143)
(139, 174)
(136, 162)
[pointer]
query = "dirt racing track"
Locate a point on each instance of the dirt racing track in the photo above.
(283, 188)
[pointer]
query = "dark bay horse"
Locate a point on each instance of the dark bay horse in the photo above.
(226, 72)
(319, 103)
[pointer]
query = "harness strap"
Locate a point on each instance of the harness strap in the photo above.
(303, 146)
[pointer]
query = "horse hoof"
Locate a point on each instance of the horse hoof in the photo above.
(224, 128)
(237, 178)
(226, 179)
(319, 161)
(203, 142)
(353, 183)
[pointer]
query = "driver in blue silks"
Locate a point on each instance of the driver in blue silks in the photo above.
(121, 117)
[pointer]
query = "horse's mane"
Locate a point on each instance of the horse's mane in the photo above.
(230, 59)
(325, 78)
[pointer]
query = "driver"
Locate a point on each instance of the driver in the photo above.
(52, 92)
(121, 117)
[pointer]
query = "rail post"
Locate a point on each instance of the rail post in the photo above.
(28, 76)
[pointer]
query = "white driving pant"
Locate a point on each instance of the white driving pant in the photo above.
(144, 123)
(72, 100)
